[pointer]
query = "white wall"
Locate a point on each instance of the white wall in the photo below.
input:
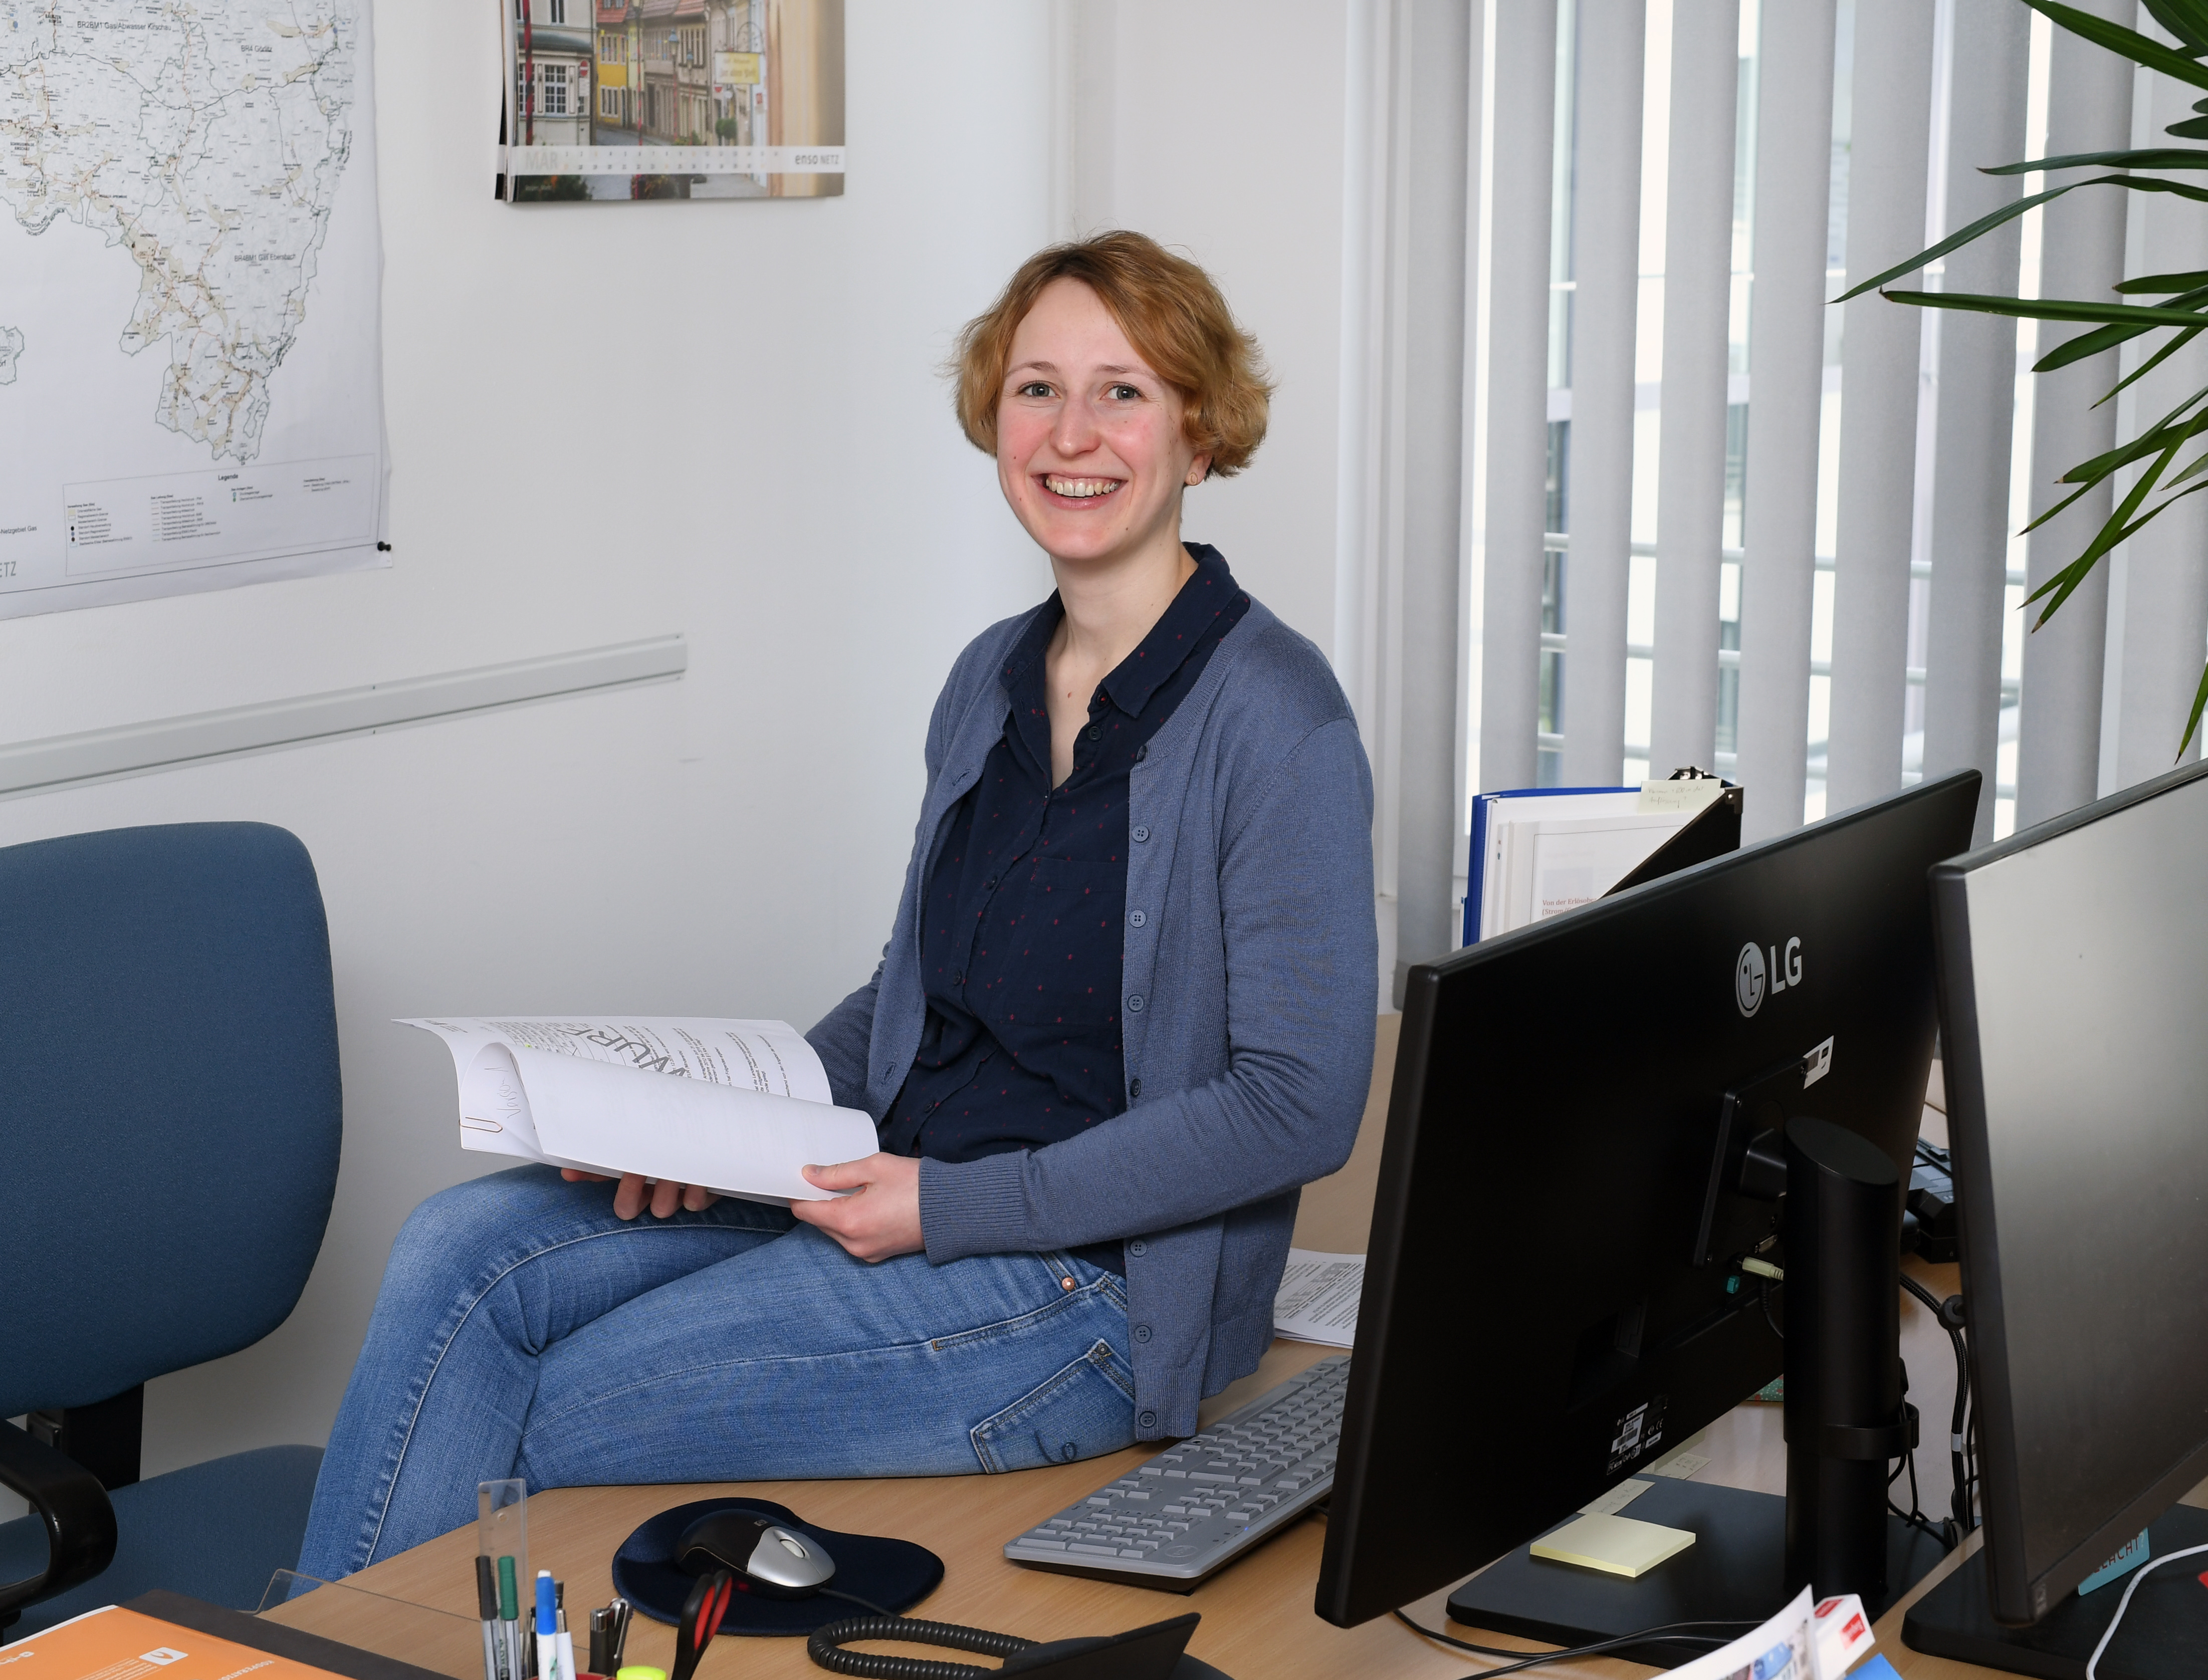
(613, 422)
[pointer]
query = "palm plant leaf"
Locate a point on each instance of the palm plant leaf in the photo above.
(2128, 43)
(2182, 313)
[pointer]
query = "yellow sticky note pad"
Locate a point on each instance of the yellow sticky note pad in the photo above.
(1621, 1545)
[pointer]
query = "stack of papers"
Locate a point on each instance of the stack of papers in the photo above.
(1319, 1298)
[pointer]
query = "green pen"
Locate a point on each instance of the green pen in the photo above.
(509, 1612)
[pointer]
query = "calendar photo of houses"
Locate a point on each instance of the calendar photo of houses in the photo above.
(610, 100)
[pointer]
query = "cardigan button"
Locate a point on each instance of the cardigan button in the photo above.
(1135, 1004)
(1142, 1332)
(1136, 918)
(1148, 1420)
(1138, 834)
(1135, 1094)
(1138, 1247)
(1141, 754)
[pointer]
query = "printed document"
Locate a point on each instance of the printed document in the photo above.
(737, 1107)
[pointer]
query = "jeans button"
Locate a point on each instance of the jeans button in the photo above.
(1136, 918)
(1142, 1332)
(1139, 834)
(1135, 1004)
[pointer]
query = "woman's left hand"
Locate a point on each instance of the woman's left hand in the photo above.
(882, 1219)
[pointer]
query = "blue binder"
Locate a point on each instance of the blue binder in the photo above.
(1474, 874)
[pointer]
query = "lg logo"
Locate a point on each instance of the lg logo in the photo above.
(1752, 978)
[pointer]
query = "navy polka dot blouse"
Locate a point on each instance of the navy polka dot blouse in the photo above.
(1023, 931)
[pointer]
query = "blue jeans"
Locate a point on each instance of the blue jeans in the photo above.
(523, 1330)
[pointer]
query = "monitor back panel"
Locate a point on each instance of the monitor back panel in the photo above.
(1532, 1328)
(2075, 990)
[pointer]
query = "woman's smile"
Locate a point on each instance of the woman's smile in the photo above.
(1065, 487)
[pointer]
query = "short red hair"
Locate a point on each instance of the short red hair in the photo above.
(1171, 312)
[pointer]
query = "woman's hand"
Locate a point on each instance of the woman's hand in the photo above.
(635, 1191)
(882, 1219)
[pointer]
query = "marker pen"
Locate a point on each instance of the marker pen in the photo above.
(547, 1628)
(509, 1619)
(487, 1608)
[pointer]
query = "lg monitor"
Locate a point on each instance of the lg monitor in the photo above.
(2074, 974)
(1555, 1295)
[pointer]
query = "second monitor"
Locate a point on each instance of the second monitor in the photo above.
(1555, 1295)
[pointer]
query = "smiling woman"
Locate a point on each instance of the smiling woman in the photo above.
(1125, 1014)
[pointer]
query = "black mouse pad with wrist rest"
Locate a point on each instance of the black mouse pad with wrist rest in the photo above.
(895, 1575)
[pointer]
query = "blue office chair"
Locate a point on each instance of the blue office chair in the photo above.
(169, 1129)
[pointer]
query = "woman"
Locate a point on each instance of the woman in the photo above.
(1125, 1014)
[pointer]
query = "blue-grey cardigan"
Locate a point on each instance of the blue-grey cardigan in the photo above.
(1250, 986)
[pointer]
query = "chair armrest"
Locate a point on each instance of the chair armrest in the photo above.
(79, 1521)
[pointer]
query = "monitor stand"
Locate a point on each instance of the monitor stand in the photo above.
(1734, 1572)
(2163, 1633)
(1844, 1385)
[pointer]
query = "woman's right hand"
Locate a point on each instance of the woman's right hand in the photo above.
(635, 1192)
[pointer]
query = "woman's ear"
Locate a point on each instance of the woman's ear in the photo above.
(1198, 471)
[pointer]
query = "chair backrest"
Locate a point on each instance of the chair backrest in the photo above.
(169, 1101)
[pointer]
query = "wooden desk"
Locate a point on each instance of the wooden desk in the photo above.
(1257, 1622)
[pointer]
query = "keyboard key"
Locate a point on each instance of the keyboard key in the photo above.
(1132, 1551)
(1044, 1541)
(1099, 1551)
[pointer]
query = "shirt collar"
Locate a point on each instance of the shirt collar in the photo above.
(1206, 594)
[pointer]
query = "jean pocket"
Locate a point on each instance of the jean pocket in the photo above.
(1084, 1410)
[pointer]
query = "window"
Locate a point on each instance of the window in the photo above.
(555, 90)
(559, 10)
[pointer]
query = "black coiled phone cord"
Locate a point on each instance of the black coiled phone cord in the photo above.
(825, 1647)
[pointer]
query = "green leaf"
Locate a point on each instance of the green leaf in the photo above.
(2193, 723)
(2083, 489)
(2184, 20)
(2119, 524)
(2137, 183)
(2088, 344)
(2127, 43)
(2193, 128)
(2049, 308)
(2197, 280)
(2177, 341)
(1962, 237)
(2150, 157)
(2165, 432)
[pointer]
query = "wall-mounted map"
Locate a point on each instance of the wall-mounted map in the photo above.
(628, 100)
(190, 367)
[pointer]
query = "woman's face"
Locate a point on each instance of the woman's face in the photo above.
(1089, 446)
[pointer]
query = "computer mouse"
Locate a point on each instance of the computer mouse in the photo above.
(766, 1557)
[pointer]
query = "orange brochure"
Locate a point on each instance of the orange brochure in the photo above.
(118, 1644)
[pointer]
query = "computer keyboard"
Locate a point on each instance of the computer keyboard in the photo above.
(1200, 1504)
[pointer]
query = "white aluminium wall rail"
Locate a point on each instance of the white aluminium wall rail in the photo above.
(33, 766)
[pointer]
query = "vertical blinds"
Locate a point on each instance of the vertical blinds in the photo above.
(1726, 523)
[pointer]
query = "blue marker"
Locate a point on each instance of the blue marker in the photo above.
(547, 1628)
